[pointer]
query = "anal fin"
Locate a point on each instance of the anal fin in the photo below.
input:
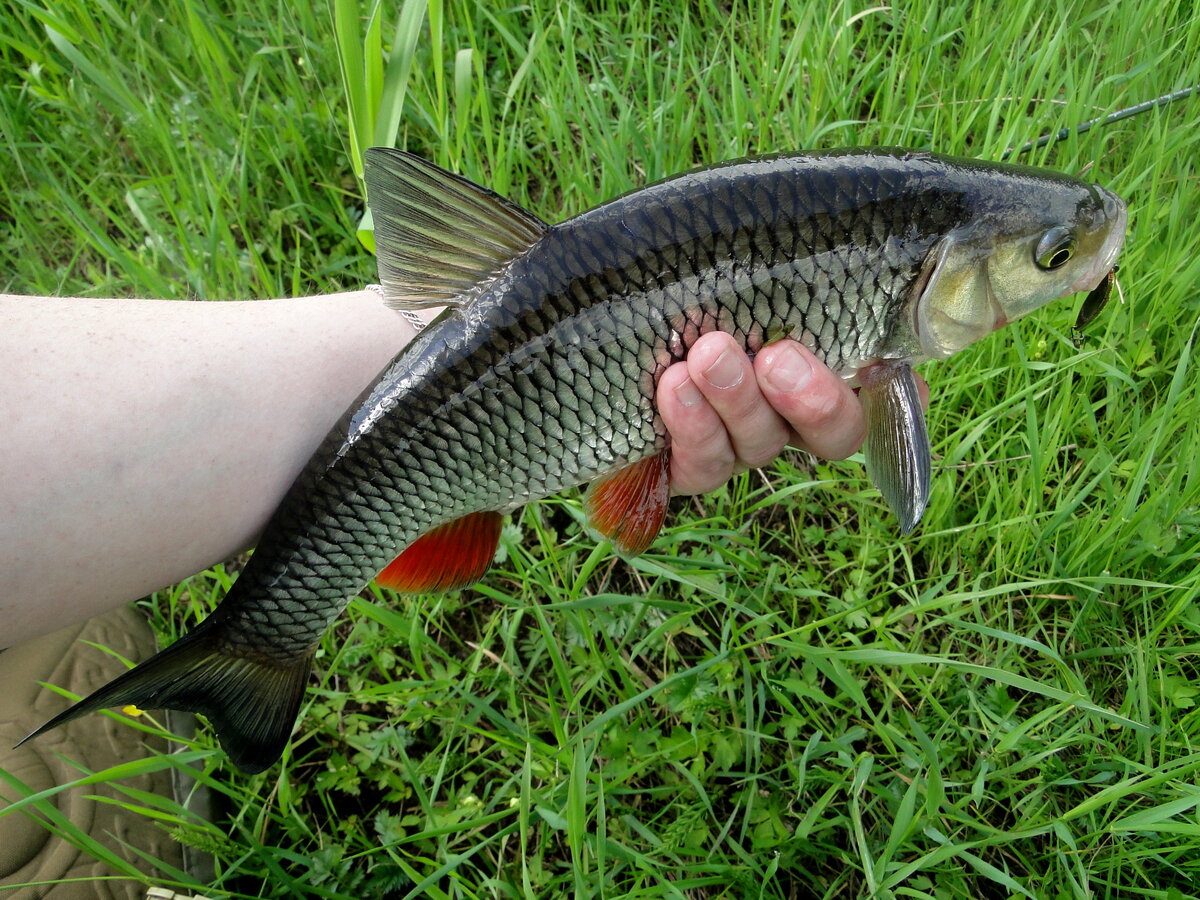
(628, 506)
(451, 556)
(897, 446)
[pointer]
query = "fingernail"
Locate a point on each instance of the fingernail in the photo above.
(726, 372)
(687, 393)
(789, 371)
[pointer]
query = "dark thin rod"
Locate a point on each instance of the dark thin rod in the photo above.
(1120, 114)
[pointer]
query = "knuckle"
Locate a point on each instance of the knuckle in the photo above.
(820, 408)
(700, 479)
(763, 451)
(704, 437)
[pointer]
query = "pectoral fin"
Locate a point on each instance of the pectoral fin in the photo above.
(897, 446)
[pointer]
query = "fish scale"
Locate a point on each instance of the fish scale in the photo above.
(542, 374)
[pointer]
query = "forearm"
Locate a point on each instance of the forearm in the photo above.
(146, 440)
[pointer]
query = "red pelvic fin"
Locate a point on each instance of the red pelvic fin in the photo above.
(451, 556)
(628, 506)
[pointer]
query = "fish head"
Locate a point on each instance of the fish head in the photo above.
(1029, 239)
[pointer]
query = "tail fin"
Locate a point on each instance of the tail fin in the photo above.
(252, 702)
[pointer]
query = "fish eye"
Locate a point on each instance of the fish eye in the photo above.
(1055, 248)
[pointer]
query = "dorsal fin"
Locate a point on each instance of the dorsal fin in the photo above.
(436, 233)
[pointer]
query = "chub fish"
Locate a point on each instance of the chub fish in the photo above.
(541, 373)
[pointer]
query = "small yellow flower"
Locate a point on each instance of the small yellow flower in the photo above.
(132, 710)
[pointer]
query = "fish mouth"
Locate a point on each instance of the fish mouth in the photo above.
(1117, 214)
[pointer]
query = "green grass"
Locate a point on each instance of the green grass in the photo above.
(783, 698)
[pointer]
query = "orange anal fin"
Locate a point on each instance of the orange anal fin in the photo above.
(451, 556)
(629, 505)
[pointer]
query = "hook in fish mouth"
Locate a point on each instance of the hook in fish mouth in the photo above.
(1095, 301)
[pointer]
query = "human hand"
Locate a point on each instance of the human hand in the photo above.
(726, 414)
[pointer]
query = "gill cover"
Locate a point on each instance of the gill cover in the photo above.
(956, 306)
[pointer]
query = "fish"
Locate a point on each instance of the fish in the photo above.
(540, 374)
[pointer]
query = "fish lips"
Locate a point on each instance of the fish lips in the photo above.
(1116, 212)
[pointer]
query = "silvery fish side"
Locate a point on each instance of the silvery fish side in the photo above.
(541, 374)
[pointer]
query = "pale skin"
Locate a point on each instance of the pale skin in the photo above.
(145, 440)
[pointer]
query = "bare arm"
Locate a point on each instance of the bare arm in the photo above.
(145, 440)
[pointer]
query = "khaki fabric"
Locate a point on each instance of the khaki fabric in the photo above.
(28, 851)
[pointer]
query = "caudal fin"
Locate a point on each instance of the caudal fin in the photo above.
(251, 702)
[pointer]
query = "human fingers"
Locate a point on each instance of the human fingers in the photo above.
(824, 413)
(719, 367)
(717, 420)
(702, 457)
